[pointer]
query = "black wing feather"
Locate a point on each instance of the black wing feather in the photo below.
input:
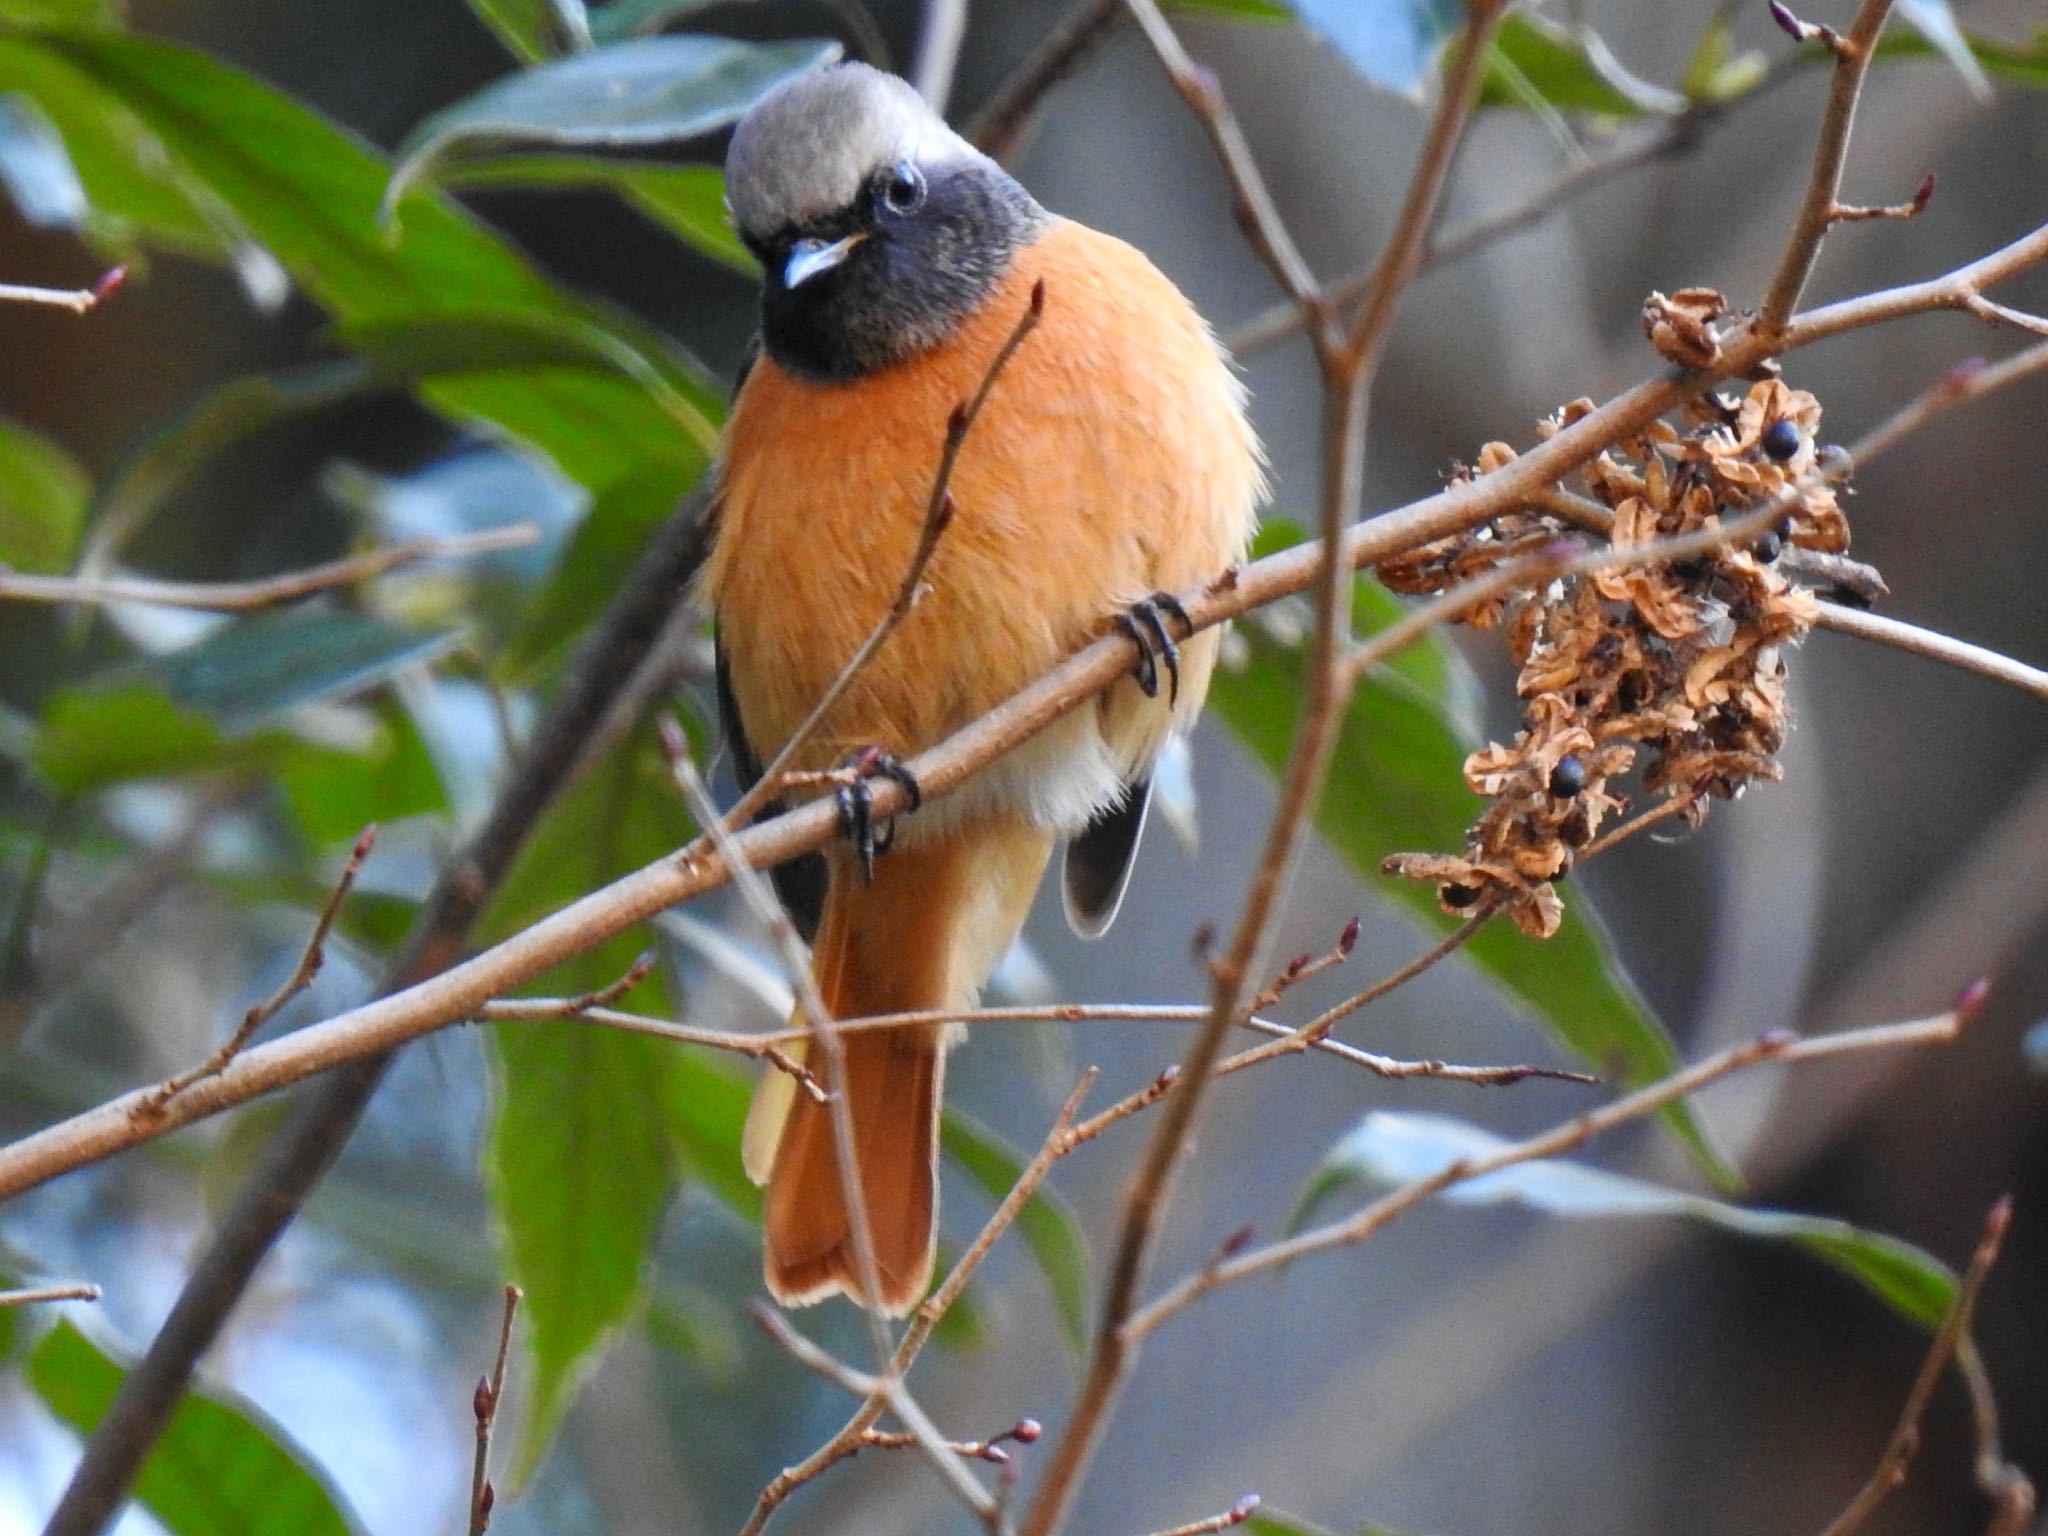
(801, 881)
(1099, 861)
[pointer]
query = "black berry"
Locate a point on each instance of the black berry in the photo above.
(1781, 439)
(1568, 777)
(1458, 896)
(1769, 547)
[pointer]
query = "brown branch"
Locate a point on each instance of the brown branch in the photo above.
(1904, 1444)
(36, 1294)
(456, 993)
(1776, 1046)
(311, 958)
(77, 300)
(490, 1392)
(265, 592)
(1822, 207)
(1349, 364)
(1001, 125)
(938, 516)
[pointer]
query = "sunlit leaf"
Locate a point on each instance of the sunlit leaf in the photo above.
(36, 168)
(600, 552)
(1386, 1150)
(2024, 63)
(580, 1160)
(334, 794)
(1935, 21)
(648, 91)
(92, 737)
(1393, 43)
(686, 200)
(1396, 784)
(42, 501)
(255, 669)
(1046, 1223)
(218, 1469)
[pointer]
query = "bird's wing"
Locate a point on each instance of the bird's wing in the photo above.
(1099, 860)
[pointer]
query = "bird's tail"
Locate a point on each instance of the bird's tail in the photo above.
(922, 935)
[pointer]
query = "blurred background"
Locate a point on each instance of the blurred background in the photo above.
(1474, 1370)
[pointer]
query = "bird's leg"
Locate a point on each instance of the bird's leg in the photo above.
(855, 801)
(1145, 622)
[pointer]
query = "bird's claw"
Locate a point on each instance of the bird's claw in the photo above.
(1145, 622)
(854, 799)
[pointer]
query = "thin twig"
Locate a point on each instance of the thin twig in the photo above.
(1904, 1444)
(77, 300)
(1002, 124)
(1349, 364)
(1257, 213)
(36, 1294)
(1776, 1046)
(1935, 646)
(1236, 1515)
(311, 958)
(1822, 208)
(891, 1391)
(490, 1392)
(1963, 383)
(938, 517)
(1058, 1142)
(455, 993)
(761, 900)
(2002, 314)
(267, 591)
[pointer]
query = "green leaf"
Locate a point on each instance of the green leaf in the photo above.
(1270, 1523)
(535, 30)
(1047, 1223)
(334, 794)
(249, 672)
(93, 737)
(37, 13)
(220, 1468)
(1396, 784)
(1238, 10)
(618, 20)
(621, 519)
(705, 1108)
(309, 193)
(652, 90)
(42, 501)
(1531, 54)
(580, 1157)
(1386, 1150)
(481, 341)
(2022, 63)
(686, 200)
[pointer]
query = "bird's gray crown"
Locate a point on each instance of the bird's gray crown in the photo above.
(804, 151)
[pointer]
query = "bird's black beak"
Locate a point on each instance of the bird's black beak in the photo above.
(809, 257)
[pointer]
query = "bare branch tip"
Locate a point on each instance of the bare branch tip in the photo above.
(111, 282)
(1970, 1000)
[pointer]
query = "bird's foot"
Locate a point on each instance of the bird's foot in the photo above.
(1145, 622)
(854, 797)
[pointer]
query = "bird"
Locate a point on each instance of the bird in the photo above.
(1112, 463)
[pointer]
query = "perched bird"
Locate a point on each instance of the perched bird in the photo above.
(1112, 465)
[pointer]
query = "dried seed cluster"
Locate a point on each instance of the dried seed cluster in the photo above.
(1670, 671)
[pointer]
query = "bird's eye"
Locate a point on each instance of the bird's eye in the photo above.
(904, 190)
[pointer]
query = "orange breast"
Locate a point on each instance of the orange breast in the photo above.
(1113, 459)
